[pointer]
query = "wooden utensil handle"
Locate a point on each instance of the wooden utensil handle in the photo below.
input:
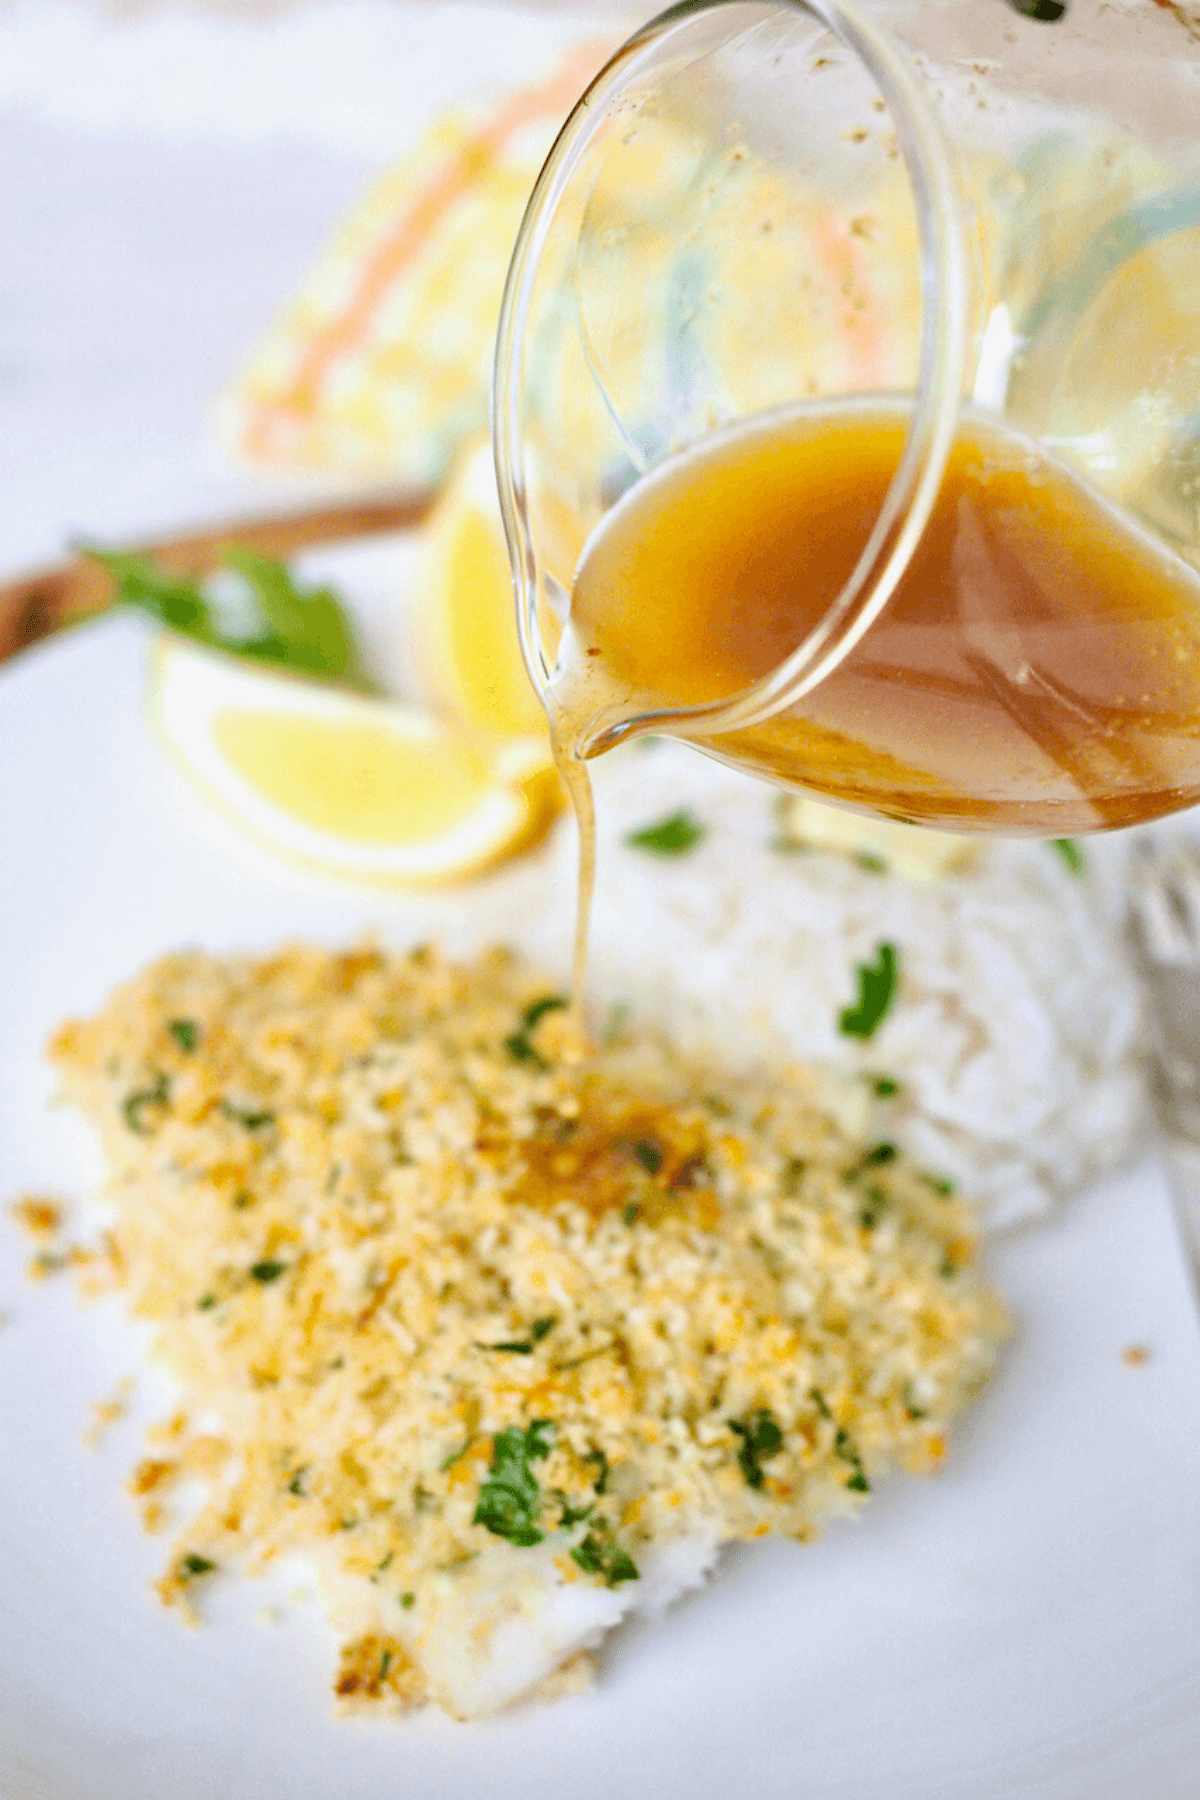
(35, 605)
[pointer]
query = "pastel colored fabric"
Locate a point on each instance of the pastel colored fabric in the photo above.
(381, 365)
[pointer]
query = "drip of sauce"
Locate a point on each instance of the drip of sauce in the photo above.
(573, 769)
(1036, 671)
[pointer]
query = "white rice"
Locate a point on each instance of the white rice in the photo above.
(1015, 1033)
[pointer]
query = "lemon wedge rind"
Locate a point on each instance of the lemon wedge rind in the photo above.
(371, 790)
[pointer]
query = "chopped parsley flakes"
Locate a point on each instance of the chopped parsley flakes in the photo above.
(146, 1100)
(572, 1515)
(600, 1554)
(675, 835)
(874, 1158)
(649, 1153)
(846, 1448)
(601, 1463)
(510, 1500)
(1046, 12)
(192, 1565)
(1071, 853)
(185, 1032)
(524, 1346)
(877, 983)
(761, 1440)
(536, 1011)
(873, 1207)
(253, 1121)
(267, 1271)
(520, 1045)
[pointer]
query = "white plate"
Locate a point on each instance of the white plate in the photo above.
(1026, 1624)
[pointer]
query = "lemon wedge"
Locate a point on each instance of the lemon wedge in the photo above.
(355, 787)
(465, 643)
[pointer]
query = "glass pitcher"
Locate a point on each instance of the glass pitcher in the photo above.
(967, 231)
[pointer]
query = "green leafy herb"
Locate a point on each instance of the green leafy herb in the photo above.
(406, 1600)
(874, 1205)
(307, 632)
(675, 835)
(630, 1213)
(941, 1184)
(253, 1121)
(649, 1153)
(600, 1554)
(146, 1099)
(761, 1440)
(884, 1086)
(206, 1302)
(910, 1405)
(1046, 12)
(1071, 853)
(267, 1271)
(522, 1051)
(572, 1515)
(456, 1455)
(876, 991)
(846, 1448)
(867, 859)
(296, 1484)
(524, 1346)
(819, 1401)
(601, 1462)
(536, 1011)
(192, 1565)
(520, 1045)
(874, 1158)
(385, 1663)
(185, 1032)
(510, 1499)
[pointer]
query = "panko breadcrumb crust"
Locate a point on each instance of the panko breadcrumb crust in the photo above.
(435, 1274)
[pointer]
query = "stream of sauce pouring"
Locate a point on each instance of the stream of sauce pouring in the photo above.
(1036, 671)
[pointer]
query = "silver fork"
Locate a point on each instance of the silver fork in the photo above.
(1164, 930)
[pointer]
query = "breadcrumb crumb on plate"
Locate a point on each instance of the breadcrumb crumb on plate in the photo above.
(508, 1334)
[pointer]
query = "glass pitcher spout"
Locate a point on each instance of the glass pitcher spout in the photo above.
(848, 351)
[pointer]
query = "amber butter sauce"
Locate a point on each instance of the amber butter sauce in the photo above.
(1037, 669)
